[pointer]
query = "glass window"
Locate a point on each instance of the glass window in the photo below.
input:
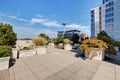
(109, 9)
(109, 4)
(109, 15)
(109, 20)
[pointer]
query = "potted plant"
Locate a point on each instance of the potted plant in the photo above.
(51, 43)
(40, 45)
(5, 55)
(94, 48)
(67, 45)
(27, 51)
(59, 42)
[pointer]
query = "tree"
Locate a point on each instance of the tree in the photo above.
(75, 38)
(44, 35)
(59, 40)
(7, 35)
(103, 36)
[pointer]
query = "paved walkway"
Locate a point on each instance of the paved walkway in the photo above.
(62, 65)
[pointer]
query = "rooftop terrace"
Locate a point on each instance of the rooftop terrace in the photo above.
(60, 65)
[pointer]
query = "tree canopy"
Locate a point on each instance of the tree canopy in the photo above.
(75, 38)
(7, 35)
(59, 40)
(103, 36)
(43, 35)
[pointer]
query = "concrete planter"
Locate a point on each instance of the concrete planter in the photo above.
(26, 53)
(41, 49)
(4, 63)
(51, 45)
(14, 53)
(60, 46)
(96, 54)
(67, 47)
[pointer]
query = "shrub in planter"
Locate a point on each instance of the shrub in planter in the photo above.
(66, 41)
(51, 43)
(5, 54)
(89, 44)
(67, 45)
(27, 51)
(59, 40)
(40, 45)
(27, 48)
(39, 41)
(5, 51)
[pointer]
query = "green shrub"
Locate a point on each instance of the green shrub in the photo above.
(88, 44)
(59, 40)
(110, 50)
(66, 41)
(39, 41)
(7, 35)
(75, 38)
(27, 48)
(5, 51)
(110, 42)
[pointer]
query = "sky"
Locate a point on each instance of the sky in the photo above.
(29, 18)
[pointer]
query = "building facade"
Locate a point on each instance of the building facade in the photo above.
(68, 34)
(112, 18)
(96, 21)
(109, 20)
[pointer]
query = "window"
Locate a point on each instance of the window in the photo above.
(92, 20)
(92, 12)
(109, 20)
(109, 9)
(109, 15)
(109, 4)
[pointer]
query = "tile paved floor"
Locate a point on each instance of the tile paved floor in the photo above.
(59, 64)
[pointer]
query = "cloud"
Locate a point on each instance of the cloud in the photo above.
(25, 31)
(39, 16)
(39, 20)
(83, 29)
(45, 22)
(31, 32)
(28, 31)
(20, 19)
(13, 17)
(50, 33)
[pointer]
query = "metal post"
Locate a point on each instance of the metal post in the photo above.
(64, 24)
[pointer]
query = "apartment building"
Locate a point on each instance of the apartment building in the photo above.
(107, 18)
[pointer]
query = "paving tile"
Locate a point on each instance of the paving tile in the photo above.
(64, 74)
(54, 68)
(37, 69)
(117, 76)
(100, 77)
(12, 76)
(77, 78)
(19, 69)
(22, 74)
(30, 77)
(106, 68)
(90, 69)
(4, 74)
(85, 74)
(106, 74)
(107, 64)
(75, 67)
(54, 77)
(43, 74)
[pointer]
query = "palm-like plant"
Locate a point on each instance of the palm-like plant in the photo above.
(89, 44)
